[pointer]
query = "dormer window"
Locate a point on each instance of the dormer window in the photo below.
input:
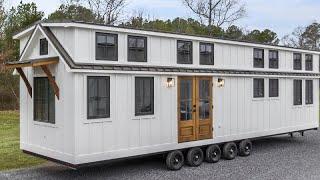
(258, 58)
(309, 64)
(43, 46)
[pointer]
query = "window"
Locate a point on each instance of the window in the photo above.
(206, 54)
(273, 59)
(309, 92)
(98, 100)
(297, 65)
(106, 46)
(258, 88)
(297, 92)
(137, 49)
(258, 56)
(273, 88)
(144, 96)
(184, 49)
(309, 59)
(43, 101)
(43, 46)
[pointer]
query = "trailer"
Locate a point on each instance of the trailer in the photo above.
(92, 93)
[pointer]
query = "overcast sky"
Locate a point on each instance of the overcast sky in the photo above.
(281, 16)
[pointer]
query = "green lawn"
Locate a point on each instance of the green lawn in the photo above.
(11, 157)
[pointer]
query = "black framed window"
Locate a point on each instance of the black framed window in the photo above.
(137, 49)
(273, 59)
(106, 46)
(43, 101)
(43, 46)
(273, 88)
(144, 96)
(309, 92)
(309, 62)
(258, 58)
(297, 62)
(206, 54)
(184, 52)
(258, 88)
(297, 92)
(98, 97)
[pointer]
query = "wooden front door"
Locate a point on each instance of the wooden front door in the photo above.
(194, 108)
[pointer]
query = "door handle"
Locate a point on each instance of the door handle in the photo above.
(194, 109)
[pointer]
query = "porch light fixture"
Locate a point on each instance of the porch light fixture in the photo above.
(220, 82)
(170, 82)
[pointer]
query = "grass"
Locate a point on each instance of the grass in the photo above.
(11, 157)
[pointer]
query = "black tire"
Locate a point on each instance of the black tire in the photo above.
(230, 150)
(175, 160)
(245, 147)
(195, 157)
(213, 154)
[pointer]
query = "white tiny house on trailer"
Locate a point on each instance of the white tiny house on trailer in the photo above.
(91, 93)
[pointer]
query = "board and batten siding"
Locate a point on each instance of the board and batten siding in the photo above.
(162, 51)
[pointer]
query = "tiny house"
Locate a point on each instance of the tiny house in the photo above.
(91, 93)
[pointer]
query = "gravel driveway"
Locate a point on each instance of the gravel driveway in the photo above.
(279, 157)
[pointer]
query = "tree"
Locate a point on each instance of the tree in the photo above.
(265, 36)
(295, 39)
(108, 10)
(16, 19)
(234, 32)
(217, 12)
(74, 12)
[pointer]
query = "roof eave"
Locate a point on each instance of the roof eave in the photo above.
(24, 32)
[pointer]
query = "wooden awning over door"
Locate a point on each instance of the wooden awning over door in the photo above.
(43, 63)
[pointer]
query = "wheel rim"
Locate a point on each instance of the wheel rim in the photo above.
(197, 157)
(176, 160)
(247, 148)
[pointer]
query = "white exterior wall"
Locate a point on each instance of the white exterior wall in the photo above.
(237, 115)
(52, 140)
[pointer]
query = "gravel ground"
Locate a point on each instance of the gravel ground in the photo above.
(279, 157)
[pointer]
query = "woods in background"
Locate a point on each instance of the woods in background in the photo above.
(215, 18)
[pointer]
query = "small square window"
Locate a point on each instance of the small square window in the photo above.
(297, 65)
(106, 46)
(206, 54)
(309, 64)
(137, 49)
(258, 58)
(273, 59)
(43, 46)
(258, 88)
(273, 88)
(184, 52)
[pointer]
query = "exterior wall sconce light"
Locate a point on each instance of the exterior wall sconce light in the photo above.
(220, 82)
(170, 82)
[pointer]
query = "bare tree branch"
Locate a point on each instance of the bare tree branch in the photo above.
(109, 10)
(217, 12)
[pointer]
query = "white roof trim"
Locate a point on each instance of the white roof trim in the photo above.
(172, 35)
(24, 32)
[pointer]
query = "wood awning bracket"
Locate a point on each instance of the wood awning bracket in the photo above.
(52, 82)
(25, 79)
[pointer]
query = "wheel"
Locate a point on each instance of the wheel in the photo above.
(245, 147)
(194, 157)
(230, 150)
(213, 154)
(175, 160)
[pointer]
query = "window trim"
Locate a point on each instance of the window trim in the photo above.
(153, 97)
(116, 46)
(41, 51)
(307, 102)
(92, 118)
(145, 48)
(254, 94)
(306, 60)
(294, 60)
(258, 59)
(274, 59)
(51, 124)
(294, 95)
(271, 96)
(212, 53)
(191, 51)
